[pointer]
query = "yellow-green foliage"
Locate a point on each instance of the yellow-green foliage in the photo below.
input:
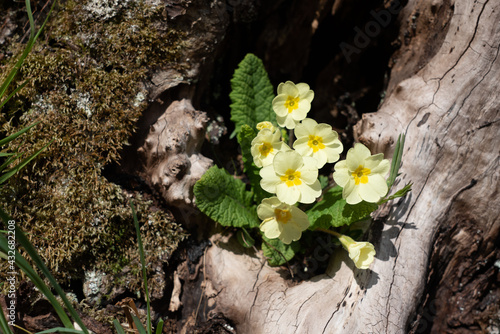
(85, 88)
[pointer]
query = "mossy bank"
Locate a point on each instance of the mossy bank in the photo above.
(87, 73)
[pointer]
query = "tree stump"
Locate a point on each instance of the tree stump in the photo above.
(436, 249)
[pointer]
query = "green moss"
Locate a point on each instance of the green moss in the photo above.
(85, 90)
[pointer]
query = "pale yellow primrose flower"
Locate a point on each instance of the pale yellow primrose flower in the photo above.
(362, 175)
(292, 178)
(265, 125)
(292, 103)
(361, 253)
(265, 146)
(318, 141)
(281, 220)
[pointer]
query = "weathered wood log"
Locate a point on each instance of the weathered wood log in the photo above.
(436, 249)
(171, 155)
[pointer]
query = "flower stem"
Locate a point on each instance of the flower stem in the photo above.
(290, 138)
(338, 235)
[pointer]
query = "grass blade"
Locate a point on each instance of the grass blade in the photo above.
(140, 327)
(396, 160)
(159, 327)
(143, 263)
(13, 93)
(37, 280)
(21, 165)
(61, 330)
(4, 325)
(10, 160)
(118, 327)
(25, 53)
(15, 135)
(32, 22)
(26, 267)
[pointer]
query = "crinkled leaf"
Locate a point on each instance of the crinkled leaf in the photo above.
(224, 199)
(277, 252)
(251, 94)
(334, 211)
(245, 137)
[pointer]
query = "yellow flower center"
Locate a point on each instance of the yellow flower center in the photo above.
(316, 143)
(292, 103)
(282, 216)
(361, 175)
(291, 178)
(265, 149)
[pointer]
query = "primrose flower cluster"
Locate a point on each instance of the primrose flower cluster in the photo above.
(291, 173)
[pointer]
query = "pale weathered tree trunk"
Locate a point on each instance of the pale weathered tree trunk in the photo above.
(436, 249)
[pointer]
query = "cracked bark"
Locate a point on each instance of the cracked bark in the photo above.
(436, 249)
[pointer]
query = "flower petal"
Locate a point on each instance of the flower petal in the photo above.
(284, 161)
(286, 122)
(332, 154)
(279, 105)
(320, 157)
(368, 193)
(341, 176)
(300, 218)
(301, 146)
(309, 193)
(265, 210)
(290, 233)
(383, 167)
(373, 161)
(356, 156)
(350, 193)
(305, 92)
(269, 179)
(301, 112)
(325, 130)
(379, 184)
(270, 228)
(286, 194)
(288, 88)
(309, 171)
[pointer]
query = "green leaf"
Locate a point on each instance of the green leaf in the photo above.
(400, 193)
(396, 160)
(244, 238)
(334, 211)
(159, 327)
(251, 95)
(245, 137)
(323, 181)
(224, 199)
(277, 252)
